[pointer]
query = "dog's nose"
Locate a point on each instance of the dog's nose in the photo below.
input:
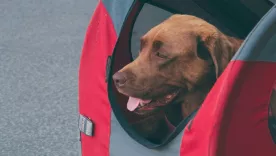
(119, 79)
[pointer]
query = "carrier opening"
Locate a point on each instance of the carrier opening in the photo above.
(234, 18)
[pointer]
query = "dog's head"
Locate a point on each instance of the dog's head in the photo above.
(179, 55)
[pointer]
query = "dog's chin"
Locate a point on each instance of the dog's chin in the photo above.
(147, 111)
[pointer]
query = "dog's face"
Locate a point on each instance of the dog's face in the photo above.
(174, 57)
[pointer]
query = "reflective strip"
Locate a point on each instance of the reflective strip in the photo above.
(85, 125)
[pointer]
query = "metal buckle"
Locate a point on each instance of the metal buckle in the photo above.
(86, 125)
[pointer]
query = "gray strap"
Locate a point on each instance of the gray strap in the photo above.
(86, 125)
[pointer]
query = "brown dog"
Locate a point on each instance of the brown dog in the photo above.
(179, 61)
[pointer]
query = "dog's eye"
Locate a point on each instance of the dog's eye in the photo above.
(161, 55)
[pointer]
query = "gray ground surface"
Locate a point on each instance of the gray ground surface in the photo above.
(40, 45)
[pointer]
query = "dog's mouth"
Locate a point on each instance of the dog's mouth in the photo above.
(141, 106)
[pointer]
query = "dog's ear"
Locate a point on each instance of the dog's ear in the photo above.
(217, 49)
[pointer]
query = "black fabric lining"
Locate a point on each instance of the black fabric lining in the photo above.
(223, 12)
(269, 2)
(235, 18)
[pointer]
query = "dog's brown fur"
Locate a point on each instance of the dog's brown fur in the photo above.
(182, 53)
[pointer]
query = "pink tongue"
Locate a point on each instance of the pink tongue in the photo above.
(133, 103)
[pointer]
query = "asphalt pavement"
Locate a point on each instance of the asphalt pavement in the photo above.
(40, 47)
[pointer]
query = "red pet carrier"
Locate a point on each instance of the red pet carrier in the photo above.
(237, 117)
